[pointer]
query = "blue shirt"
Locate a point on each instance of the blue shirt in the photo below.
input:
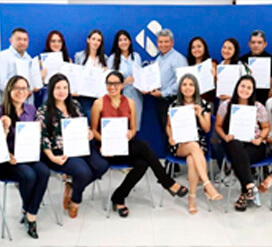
(8, 66)
(168, 64)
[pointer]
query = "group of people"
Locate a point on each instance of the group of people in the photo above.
(124, 100)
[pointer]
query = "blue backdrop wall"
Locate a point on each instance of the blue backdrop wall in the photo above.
(213, 23)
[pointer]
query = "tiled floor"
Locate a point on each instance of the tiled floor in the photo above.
(170, 225)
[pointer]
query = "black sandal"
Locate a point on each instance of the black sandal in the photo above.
(182, 191)
(123, 212)
(241, 204)
(251, 192)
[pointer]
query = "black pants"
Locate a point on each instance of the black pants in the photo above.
(242, 155)
(140, 158)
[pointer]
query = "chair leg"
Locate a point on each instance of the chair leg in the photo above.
(101, 194)
(149, 190)
(52, 205)
(93, 190)
(271, 203)
(60, 202)
(3, 210)
(222, 173)
(167, 169)
(229, 192)
(211, 170)
(109, 195)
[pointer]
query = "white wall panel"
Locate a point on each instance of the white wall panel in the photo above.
(252, 2)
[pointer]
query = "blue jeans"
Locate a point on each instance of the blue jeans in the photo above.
(32, 179)
(83, 170)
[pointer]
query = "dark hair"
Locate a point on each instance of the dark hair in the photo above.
(117, 51)
(63, 47)
(258, 33)
(52, 112)
(191, 59)
(7, 106)
(19, 29)
(115, 73)
(100, 50)
(235, 58)
(235, 99)
(196, 96)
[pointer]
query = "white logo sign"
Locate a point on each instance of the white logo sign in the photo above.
(145, 42)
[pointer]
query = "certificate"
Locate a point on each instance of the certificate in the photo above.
(27, 141)
(114, 136)
(227, 77)
(147, 78)
(203, 74)
(35, 74)
(52, 61)
(183, 123)
(23, 68)
(261, 70)
(4, 154)
(74, 74)
(93, 82)
(75, 136)
(242, 122)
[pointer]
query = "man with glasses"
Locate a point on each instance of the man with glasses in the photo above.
(17, 51)
(257, 45)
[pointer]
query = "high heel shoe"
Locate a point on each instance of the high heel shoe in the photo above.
(31, 228)
(181, 192)
(212, 194)
(192, 205)
(72, 210)
(123, 212)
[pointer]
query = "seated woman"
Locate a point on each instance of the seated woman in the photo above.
(243, 154)
(32, 177)
(83, 170)
(140, 157)
(188, 93)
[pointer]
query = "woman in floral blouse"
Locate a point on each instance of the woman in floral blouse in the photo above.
(83, 170)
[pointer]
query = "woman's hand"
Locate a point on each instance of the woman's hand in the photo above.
(129, 135)
(171, 141)
(229, 138)
(59, 160)
(224, 97)
(6, 123)
(43, 73)
(12, 160)
(90, 135)
(198, 110)
(75, 94)
(129, 80)
(257, 141)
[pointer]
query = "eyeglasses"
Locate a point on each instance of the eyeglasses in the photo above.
(115, 84)
(18, 89)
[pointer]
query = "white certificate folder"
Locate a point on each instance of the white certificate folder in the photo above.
(114, 136)
(4, 153)
(183, 123)
(27, 142)
(242, 122)
(75, 136)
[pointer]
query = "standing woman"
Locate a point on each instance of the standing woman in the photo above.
(230, 54)
(188, 94)
(198, 52)
(83, 170)
(32, 177)
(121, 59)
(55, 42)
(92, 56)
(243, 154)
(140, 156)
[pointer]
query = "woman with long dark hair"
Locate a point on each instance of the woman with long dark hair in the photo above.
(83, 170)
(140, 156)
(121, 59)
(31, 176)
(92, 56)
(243, 154)
(188, 94)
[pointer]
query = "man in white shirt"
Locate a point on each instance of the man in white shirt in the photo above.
(18, 45)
